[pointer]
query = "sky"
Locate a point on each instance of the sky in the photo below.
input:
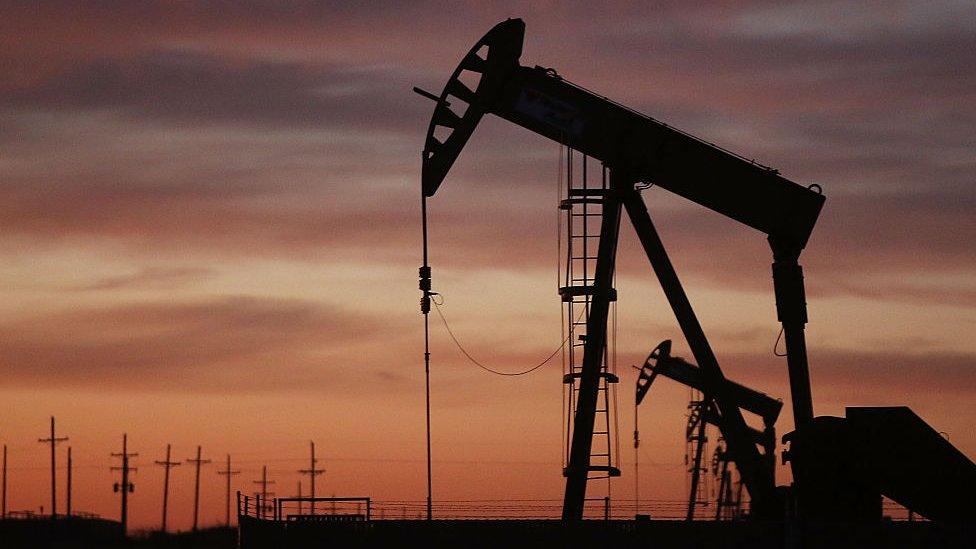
(210, 230)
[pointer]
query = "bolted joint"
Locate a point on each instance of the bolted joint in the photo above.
(791, 302)
(787, 454)
(424, 285)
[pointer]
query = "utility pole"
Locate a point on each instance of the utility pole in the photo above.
(125, 487)
(299, 496)
(68, 503)
(53, 441)
(167, 465)
(4, 512)
(228, 472)
(312, 472)
(196, 486)
(264, 482)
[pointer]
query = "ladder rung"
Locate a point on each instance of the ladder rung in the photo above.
(567, 203)
(611, 378)
(588, 192)
(609, 469)
(569, 292)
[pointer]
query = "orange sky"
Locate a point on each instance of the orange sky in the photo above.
(209, 234)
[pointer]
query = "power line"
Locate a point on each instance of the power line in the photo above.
(196, 486)
(263, 495)
(312, 472)
(167, 465)
(3, 513)
(53, 441)
(228, 472)
(67, 510)
(125, 487)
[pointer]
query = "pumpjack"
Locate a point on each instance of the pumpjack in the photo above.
(660, 363)
(825, 453)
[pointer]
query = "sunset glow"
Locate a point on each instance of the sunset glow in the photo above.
(210, 234)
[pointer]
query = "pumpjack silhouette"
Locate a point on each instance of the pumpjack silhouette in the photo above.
(842, 466)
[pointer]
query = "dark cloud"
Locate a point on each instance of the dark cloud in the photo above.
(870, 375)
(156, 278)
(888, 235)
(844, 377)
(859, 237)
(235, 343)
(198, 89)
(874, 108)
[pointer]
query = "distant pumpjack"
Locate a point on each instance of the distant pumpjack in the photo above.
(636, 148)
(660, 362)
(727, 500)
(696, 443)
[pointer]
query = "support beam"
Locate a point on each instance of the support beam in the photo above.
(743, 451)
(791, 310)
(595, 345)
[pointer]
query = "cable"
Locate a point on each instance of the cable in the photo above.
(776, 345)
(437, 307)
(563, 443)
(425, 284)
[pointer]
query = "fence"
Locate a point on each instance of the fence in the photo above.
(364, 509)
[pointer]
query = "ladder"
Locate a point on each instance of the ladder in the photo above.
(583, 208)
(725, 499)
(696, 444)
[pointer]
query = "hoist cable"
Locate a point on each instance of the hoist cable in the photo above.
(437, 307)
(425, 309)
(776, 345)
